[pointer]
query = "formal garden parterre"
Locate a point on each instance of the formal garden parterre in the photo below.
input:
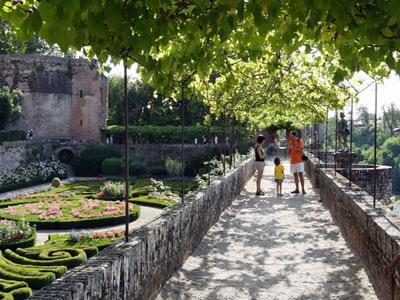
(25, 267)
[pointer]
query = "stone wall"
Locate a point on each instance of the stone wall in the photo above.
(63, 97)
(150, 153)
(139, 268)
(362, 175)
(12, 155)
(373, 233)
(15, 154)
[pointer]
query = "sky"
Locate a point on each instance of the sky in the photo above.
(387, 90)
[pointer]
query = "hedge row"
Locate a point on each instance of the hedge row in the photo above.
(159, 203)
(35, 276)
(33, 268)
(168, 134)
(32, 174)
(47, 257)
(13, 135)
(115, 166)
(14, 290)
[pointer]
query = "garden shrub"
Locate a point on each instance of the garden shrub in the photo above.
(173, 167)
(158, 168)
(112, 190)
(141, 191)
(136, 168)
(115, 166)
(9, 285)
(159, 203)
(21, 293)
(56, 182)
(16, 290)
(6, 296)
(89, 162)
(16, 234)
(35, 276)
(32, 174)
(169, 134)
(112, 166)
(47, 257)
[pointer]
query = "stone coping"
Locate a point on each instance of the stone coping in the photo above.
(373, 232)
(365, 202)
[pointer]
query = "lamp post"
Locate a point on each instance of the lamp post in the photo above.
(126, 153)
(375, 138)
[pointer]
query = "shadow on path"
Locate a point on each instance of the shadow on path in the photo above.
(272, 248)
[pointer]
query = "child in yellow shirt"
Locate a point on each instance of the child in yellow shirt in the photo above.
(279, 175)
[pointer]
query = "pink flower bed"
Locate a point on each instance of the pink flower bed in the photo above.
(107, 234)
(88, 209)
(33, 196)
(58, 208)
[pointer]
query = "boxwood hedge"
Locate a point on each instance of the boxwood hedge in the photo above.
(47, 257)
(35, 276)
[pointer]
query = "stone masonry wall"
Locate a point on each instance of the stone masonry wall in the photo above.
(362, 175)
(139, 268)
(12, 155)
(150, 153)
(373, 232)
(63, 97)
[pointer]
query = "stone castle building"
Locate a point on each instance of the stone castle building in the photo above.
(63, 98)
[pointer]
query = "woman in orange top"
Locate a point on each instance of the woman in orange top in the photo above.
(296, 146)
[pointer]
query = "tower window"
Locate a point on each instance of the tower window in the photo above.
(81, 93)
(81, 122)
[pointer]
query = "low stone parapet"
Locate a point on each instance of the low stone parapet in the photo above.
(373, 232)
(138, 269)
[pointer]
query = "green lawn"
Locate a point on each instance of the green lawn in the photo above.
(62, 241)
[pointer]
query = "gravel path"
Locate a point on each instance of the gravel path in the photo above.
(272, 248)
(147, 214)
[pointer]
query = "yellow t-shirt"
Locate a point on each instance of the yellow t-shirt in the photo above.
(279, 172)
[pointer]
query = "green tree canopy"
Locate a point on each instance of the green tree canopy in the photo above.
(10, 110)
(178, 43)
(9, 44)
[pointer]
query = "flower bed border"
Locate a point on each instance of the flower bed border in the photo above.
(28, 242)
(149, 203)
(84, 223)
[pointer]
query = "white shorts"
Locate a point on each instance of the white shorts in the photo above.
(297, 168)
(260, 165)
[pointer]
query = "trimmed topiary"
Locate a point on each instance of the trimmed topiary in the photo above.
(112, 166)
(21, 293)
(17, 290)
(47, 257)
(142, 191)
(35, 276)
(6, 296)
(56, 182)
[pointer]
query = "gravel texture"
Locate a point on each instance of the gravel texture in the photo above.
(272, 248)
